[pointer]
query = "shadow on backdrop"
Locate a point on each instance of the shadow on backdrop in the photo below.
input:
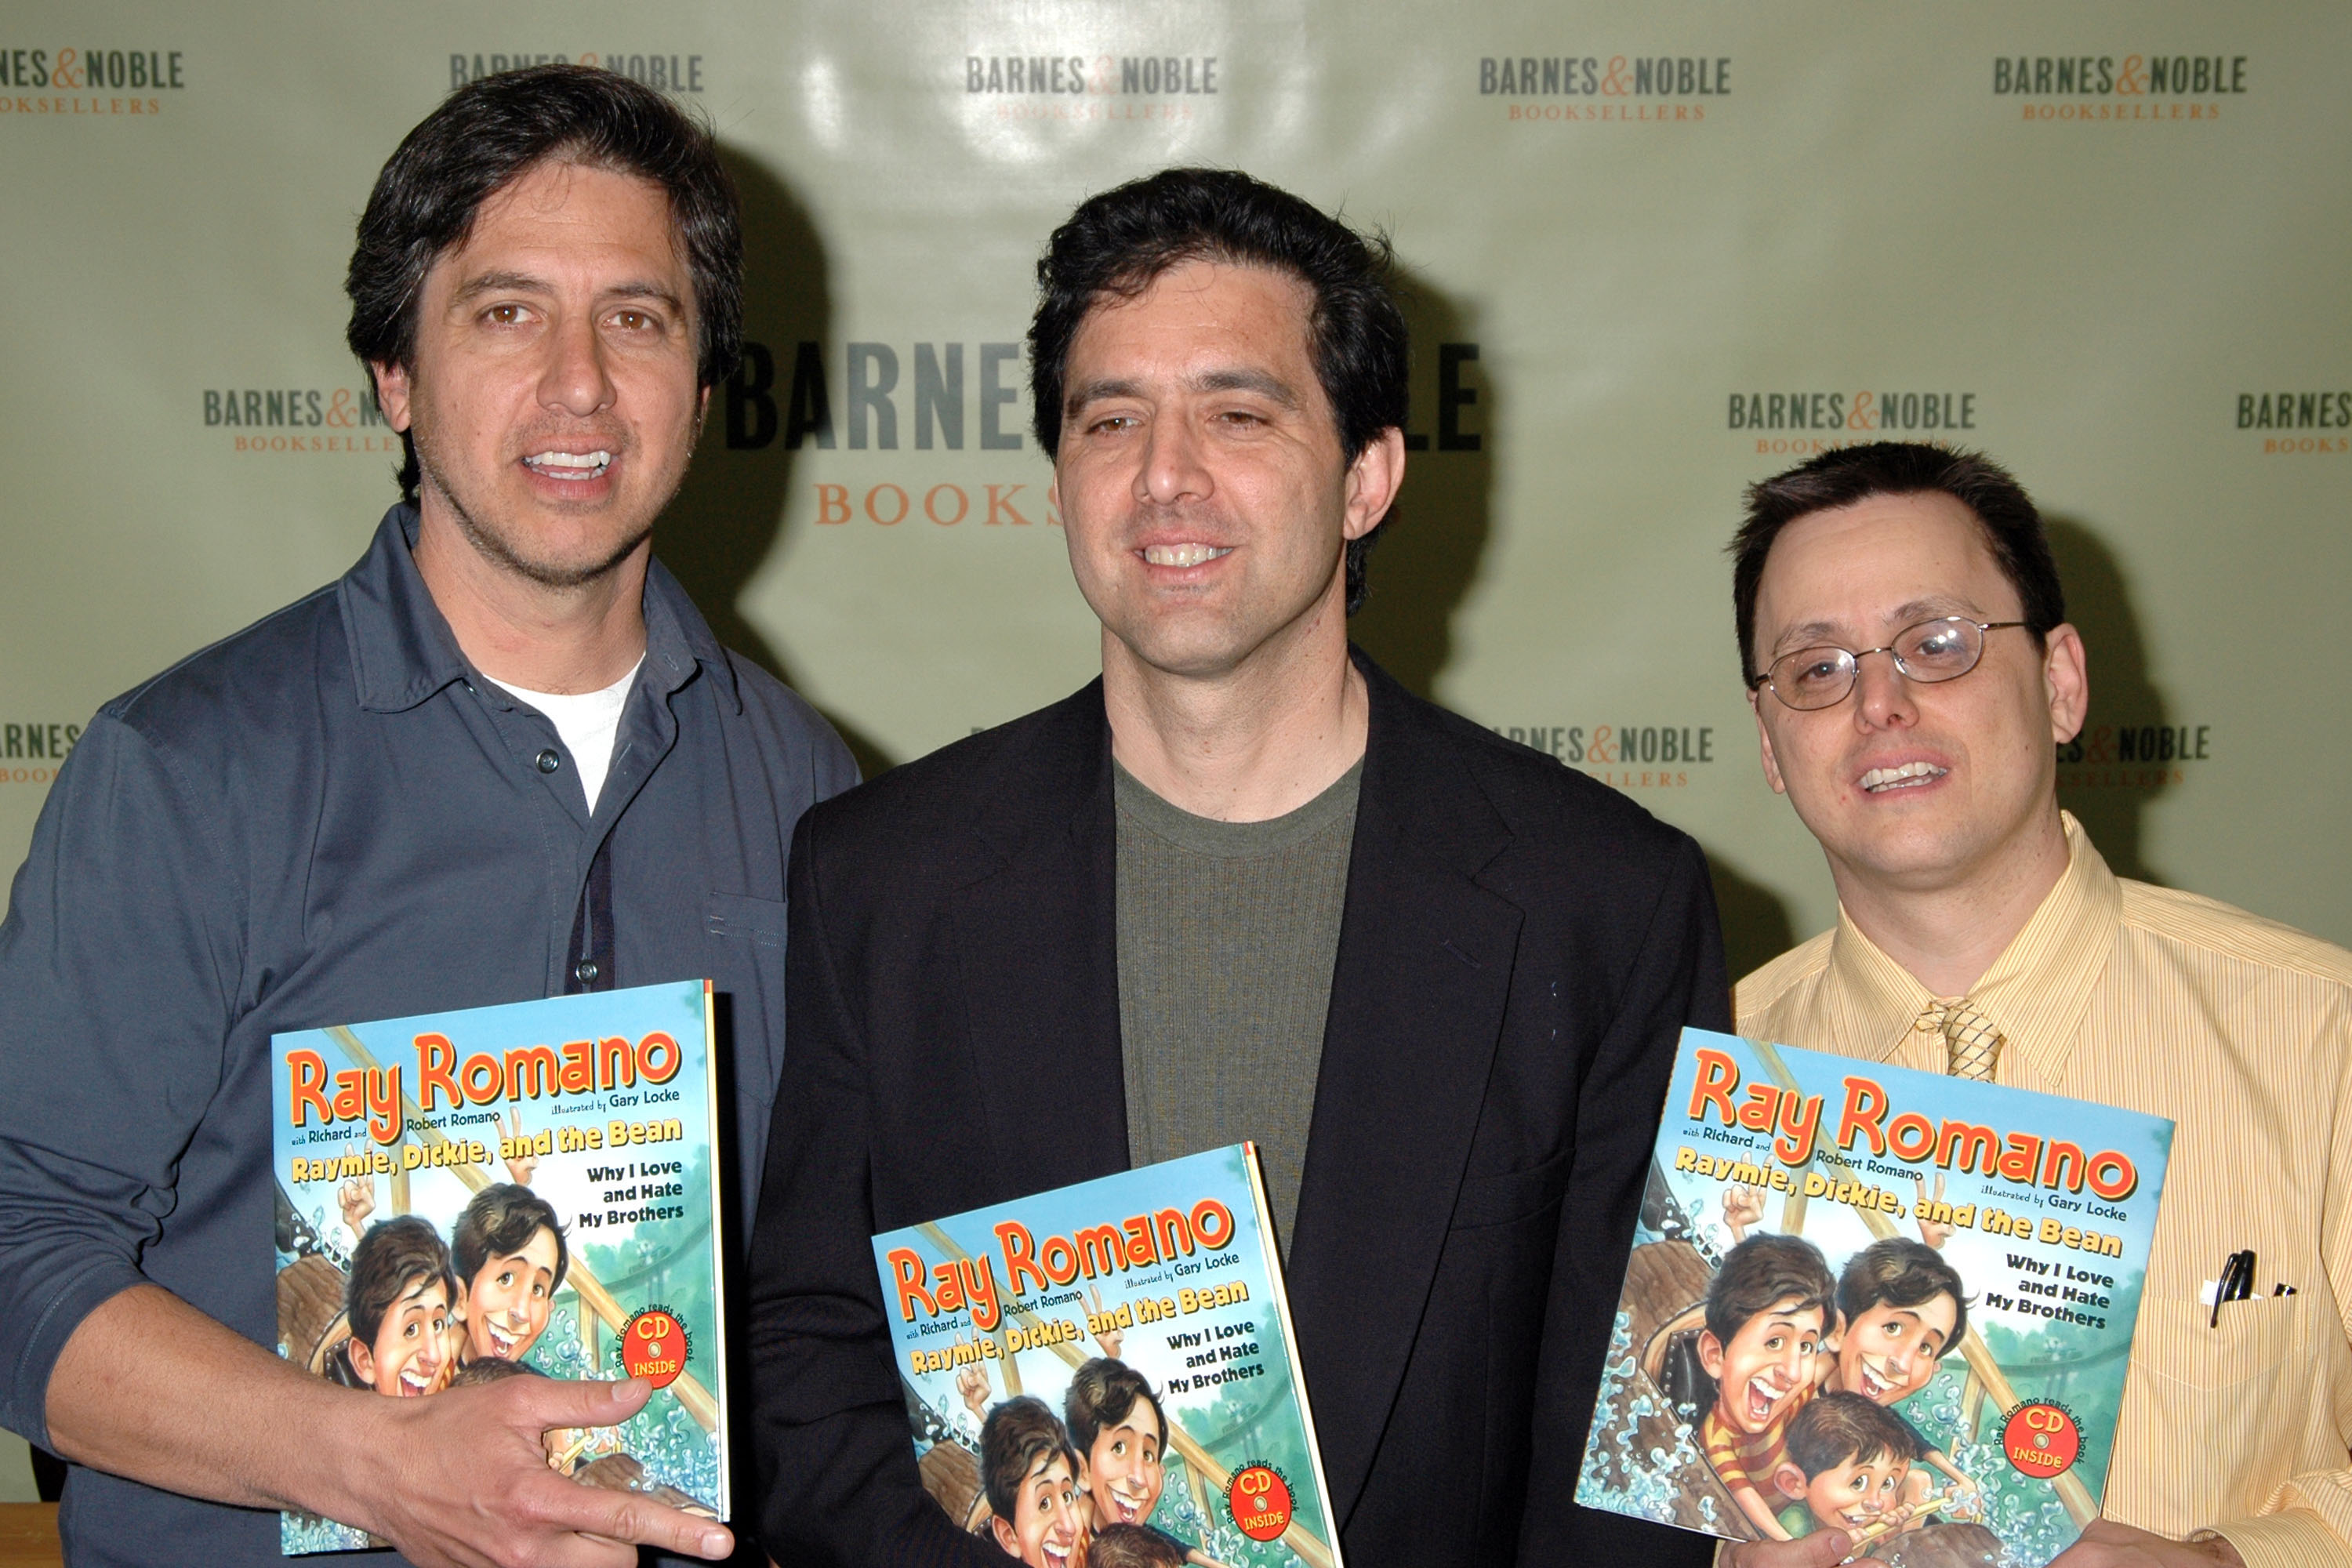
(1756, 924)
(2121, 762)
(1428, 553)
(730, 517)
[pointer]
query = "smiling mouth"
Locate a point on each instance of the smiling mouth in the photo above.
(1761, 1400)
(1910, 775)
(414, 1382)
(502, 1343)
(570, 467)
(1129, 1511)
(1875, 1387)
(1184, 554)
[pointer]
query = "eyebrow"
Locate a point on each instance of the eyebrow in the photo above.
(524, 283)
(1817, 633)
(1263, 383)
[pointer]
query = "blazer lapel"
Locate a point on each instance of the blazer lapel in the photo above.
(1036, 944)
(1418, 996)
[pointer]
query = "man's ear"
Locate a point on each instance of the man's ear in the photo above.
(2067, 681)
(1374, 480)
(391, 390)
(1710, 1354)
(1006, 1538)
(362, 1358)
(1764, 741)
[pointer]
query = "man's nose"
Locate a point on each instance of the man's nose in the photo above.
(1883, 694)
(1172, 466)
(575, 378)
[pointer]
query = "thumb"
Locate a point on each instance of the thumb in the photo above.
(1827, 1550)
(557, 1402)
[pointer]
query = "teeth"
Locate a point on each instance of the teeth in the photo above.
(1182, 555)
(1909, 775)
(568, 465)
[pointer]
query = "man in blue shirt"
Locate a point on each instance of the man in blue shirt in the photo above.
(502, 758)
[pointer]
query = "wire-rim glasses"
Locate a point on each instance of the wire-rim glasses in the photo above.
(1942, 650)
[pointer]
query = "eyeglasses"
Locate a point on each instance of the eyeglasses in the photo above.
(1942, 650)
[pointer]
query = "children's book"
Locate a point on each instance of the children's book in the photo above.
(1876, 1299)
(1107, 1372)
(525, 1190)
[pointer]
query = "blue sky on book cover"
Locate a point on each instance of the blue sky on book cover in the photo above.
(602, 1103)
(2044, 1207)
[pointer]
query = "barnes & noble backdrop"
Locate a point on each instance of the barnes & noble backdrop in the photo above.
(1656, 250)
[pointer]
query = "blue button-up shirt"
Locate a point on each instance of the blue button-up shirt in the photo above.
(327, 818)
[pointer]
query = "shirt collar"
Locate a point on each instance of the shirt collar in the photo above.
(403, 650)
(2034, 993)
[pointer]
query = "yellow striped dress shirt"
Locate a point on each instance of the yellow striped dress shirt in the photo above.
(2240, 1031)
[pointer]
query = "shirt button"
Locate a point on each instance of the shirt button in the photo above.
(549, 759)
(585, 972)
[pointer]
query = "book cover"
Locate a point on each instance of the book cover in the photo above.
(1890, 1302)
(1106, 1372)
(517, 1190)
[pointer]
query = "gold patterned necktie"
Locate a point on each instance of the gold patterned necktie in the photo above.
(1973, 1044)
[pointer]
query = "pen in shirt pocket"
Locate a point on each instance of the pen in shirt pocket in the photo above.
(2236, 1284)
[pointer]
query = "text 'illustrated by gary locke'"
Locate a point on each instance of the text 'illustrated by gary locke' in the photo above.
(1104, 1373)
(522, 1190)
(1878, 1300)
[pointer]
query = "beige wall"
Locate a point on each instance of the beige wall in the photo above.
(2102, 289)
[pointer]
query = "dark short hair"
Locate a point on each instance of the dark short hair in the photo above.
(394, 1255)
(1132, 1546)
(1766, 1268)
(500, 1220)
(1834, 1429)
(483, 1371)
(1015, 1437)
(2012, 523)
(1103, 1393)
(489, 133)
(1117, 243)
(1901, 1272)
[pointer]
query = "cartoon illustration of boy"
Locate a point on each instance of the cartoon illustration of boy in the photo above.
(1030, 1472)
(1903, 1309)
(511, 1256)
(397, 1302)
(1846, 1463)
(1767, 1314)
(1120, 1430)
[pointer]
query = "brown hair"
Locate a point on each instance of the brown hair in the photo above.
(2012, 523)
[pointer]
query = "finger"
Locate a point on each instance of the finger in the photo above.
(544, 1401)
(597, 1518)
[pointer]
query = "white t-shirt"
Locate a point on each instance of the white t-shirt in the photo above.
(588, 722)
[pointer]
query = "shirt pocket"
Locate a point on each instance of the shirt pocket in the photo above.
(2229, 1387)
(752, 923)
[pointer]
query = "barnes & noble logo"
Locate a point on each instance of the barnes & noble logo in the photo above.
(1078, 87)
(667, 73)
(1635, 89)
(41, 744)
(2127, 87)
(1624, 756)
(2315, 413)
(2132, 756)
(298, 419)
(955, 397)
(75, 81)
(1851, 418)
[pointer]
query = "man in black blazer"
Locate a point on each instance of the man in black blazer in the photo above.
(1220, 373)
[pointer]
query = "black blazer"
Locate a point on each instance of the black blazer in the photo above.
(1519, 948)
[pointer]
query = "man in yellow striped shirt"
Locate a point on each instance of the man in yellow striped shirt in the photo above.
(1912, 672)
